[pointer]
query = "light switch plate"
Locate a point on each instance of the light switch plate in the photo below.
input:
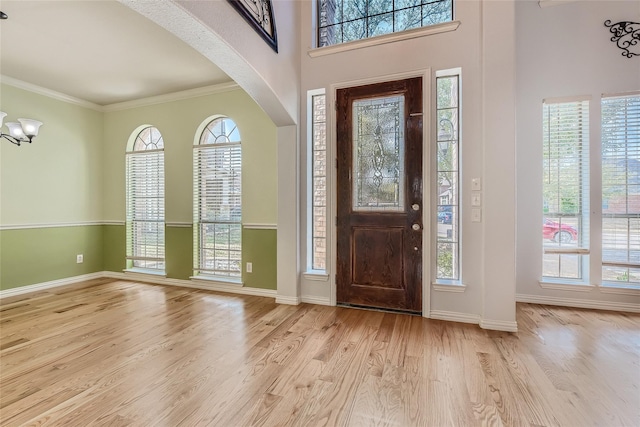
(476, 200)
(476, 184)
(476, 215)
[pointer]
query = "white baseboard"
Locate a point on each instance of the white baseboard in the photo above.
(51, 284)
(580, 303)
(499, 325)
(315, 300)
(496, 325)
(287, 300)
(208, 285)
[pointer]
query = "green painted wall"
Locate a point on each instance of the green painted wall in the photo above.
(259, 248)
(56, 179)
(179, 252)
(178, 122)
(73, 173)
(37, 255)
(114, 240)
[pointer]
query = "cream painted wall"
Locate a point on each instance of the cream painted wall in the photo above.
(563, 51)
(178, 122)
(54, 179)
(460, 48)
(218, 32)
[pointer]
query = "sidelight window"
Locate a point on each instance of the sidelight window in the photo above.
(447, 149)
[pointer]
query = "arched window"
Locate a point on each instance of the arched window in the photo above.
(217, 169)
(145, 200)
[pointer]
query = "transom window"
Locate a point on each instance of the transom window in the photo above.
(145, 201)
(217, 166)
(341, 21)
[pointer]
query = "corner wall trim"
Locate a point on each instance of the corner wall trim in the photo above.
(287, 300)
(499, 325)
(315, 300)
(50, 284)
(453, 316)
(579, 303)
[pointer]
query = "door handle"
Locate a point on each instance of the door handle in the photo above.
(416, 227)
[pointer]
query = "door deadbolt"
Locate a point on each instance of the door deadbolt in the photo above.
(415, 207)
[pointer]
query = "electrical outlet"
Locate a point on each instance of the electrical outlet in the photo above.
(249, 267)
(79, 259)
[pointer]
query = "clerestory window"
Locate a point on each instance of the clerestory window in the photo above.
(341, 21)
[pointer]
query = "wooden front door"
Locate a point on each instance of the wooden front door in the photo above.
(379, 188)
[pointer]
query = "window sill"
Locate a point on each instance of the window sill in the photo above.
(316, 275)
(566, 286)
(215, 279)
(145, 272)
(619, 288)
(451, 286)
(387, 38)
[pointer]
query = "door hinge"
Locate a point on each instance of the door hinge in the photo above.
(336, 163)
(336, 223)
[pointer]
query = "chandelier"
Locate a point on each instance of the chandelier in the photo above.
(24, 130)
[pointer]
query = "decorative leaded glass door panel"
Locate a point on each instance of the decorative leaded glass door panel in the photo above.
(379, 140)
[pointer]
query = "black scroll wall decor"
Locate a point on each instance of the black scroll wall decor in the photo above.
(626, 35)
(259, 14)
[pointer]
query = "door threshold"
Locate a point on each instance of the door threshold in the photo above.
(384, 310)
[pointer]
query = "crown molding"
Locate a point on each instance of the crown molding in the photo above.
(142, 102)
(49, 93)
(175, 96)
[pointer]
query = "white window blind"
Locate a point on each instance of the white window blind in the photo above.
(565, 227)
(218, 200)
(145, 202)
(621, 189)
(448, 173)
(319, 182)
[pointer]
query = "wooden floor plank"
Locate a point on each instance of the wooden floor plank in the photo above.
(112, 352)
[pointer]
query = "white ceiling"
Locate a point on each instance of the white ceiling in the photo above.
(97, 50)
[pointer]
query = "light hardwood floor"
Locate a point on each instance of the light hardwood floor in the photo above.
(124, 353)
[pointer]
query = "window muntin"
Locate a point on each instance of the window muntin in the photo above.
(621, 189)
(447, 149)
(319, 181)
(218, 200)
(145, 201)
(565, 227)
(341, 21)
